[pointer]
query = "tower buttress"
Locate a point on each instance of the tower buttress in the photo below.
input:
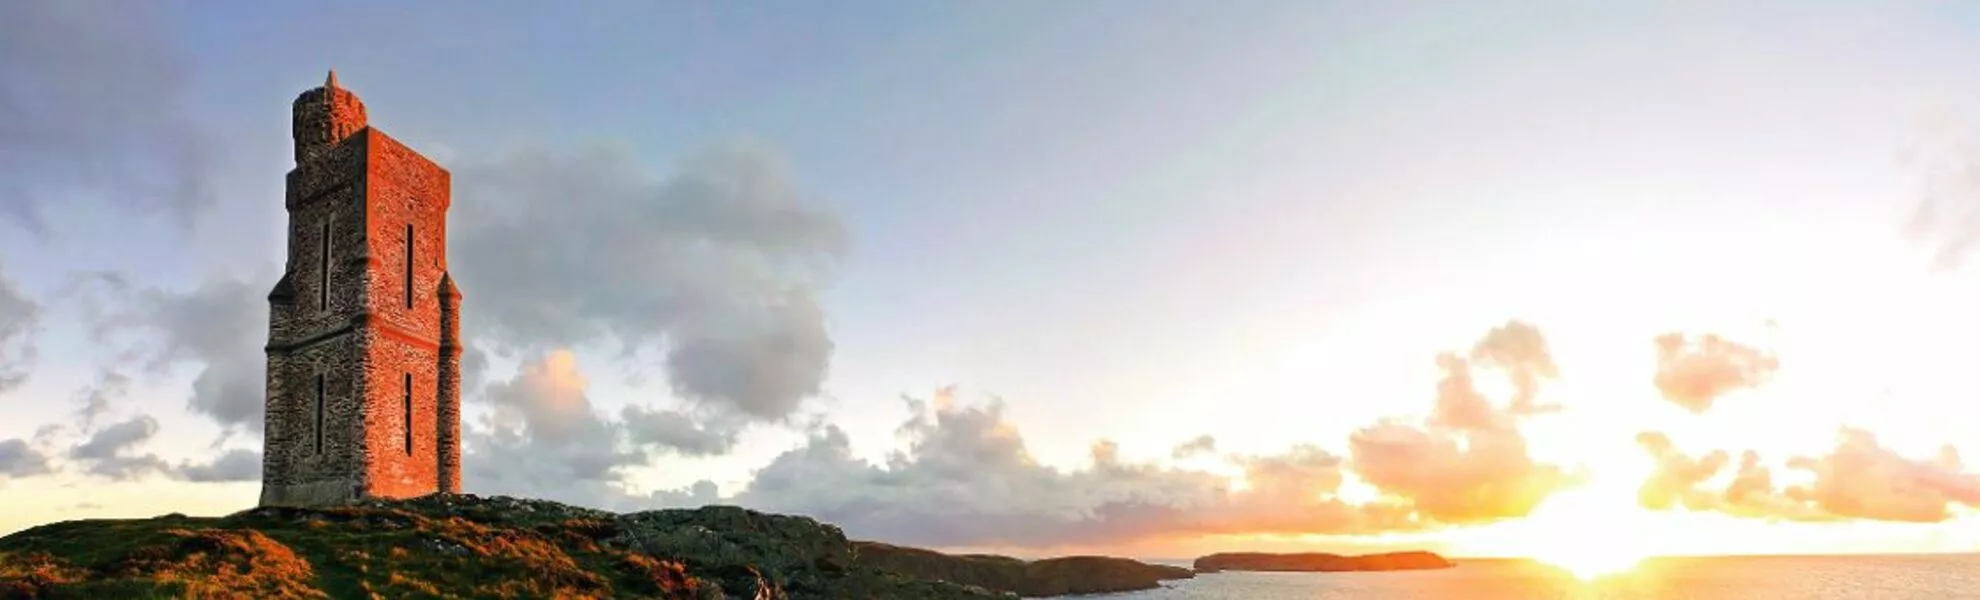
(449, 440)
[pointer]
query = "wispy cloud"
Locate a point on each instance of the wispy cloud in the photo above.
(19, 321)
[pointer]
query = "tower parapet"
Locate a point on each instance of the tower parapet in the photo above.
(323, 116)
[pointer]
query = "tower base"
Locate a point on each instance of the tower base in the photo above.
(315, 493)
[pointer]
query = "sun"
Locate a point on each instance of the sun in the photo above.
(1589, 565)
(1590, 532)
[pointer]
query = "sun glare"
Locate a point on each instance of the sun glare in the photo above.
(1590, 532)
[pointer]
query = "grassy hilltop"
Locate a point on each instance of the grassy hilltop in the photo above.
(498, 547)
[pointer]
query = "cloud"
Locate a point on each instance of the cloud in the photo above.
(965, 477)
(678, 431)
(1202, 445)
(719, 266)
(109, 452)
(544, 438)
(19, 319)
(1467, 462)
(1520, 351)
(1857, 479)
(1694, 372)
(93, 105)
(232, 466)
(1678, 476)
(19, 459)
(220, 325)
(1860, 478)
(546, 401)
(93, 401)
(1947, 215)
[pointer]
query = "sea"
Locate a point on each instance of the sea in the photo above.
(1923, 577)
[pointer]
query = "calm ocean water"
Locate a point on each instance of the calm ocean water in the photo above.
(1931, 577)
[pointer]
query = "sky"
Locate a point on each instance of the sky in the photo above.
(1152, 278)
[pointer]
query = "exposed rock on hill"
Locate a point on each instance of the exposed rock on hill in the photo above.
(1046, 577)
(1319, 561)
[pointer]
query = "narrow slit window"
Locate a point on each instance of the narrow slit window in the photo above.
(409, 265)
(323, 271)
(319, 413)
(407, 411)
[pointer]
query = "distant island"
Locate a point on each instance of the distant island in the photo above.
(1320, 561)
(1044, 577)
(500, 547)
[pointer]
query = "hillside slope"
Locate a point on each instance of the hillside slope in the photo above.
(454, 547)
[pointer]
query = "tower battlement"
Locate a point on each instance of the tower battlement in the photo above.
(323, 116)
(364, 331)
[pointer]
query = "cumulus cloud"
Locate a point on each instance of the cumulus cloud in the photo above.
(18, 323)
(719, 266)
(18, 458)
(1860, 478)
(1693, 372)
(111, 451)
(965, 477)
(545, 438)
(1520, 351)
(1468, 462)
(1678, 477)
(69, 73)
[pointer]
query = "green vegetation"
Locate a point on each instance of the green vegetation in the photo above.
(452, 547)
(499, 547)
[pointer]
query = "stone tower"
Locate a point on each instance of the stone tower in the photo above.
(364, 326)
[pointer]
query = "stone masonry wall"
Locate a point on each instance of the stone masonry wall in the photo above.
(297, 473)
(392, 469)
(308, 334)
(324, 194)
(406, 189)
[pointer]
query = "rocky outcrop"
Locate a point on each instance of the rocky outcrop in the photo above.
(1044, 577)
(1319, 561)
(455, 546)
